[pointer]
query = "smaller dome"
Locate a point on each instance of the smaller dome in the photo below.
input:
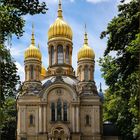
(32, 52)
(43, 71)
(86, 51)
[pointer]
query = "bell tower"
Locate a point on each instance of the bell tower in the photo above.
(32, 61)
(60, 46)
(86, 61)
(91, 106)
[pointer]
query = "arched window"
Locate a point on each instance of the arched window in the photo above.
(86, 73)
(60, 56)
(67, 55)
(87, 120)
(52, 55)
(31, 119)
(65, 111)
(59, 107)
(32, 71)
(52, 111)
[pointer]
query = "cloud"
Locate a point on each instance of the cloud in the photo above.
(16, 51)
(54, 1)
(127, 1)
(20, 71)
(75, 18)
(96, 1)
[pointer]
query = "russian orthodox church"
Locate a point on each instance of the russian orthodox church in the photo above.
(55, 103)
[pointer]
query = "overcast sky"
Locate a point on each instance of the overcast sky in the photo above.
(96, 14)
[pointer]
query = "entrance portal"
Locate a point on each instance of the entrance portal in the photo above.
(60, 132)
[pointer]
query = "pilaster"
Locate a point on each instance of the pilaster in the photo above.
(40, 119)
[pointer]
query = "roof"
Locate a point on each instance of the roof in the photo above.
(54, 79)
(110, 129)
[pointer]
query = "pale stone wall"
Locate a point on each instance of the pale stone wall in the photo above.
(92, 108)
(77, 110)
(89, 63)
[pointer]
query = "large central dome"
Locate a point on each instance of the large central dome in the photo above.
(60, 28)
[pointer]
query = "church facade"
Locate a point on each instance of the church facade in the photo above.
(57, 104)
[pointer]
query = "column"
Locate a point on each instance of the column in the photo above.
(70, 55)
(25, 69)
(24, 118)
(79, 73)
(67, 113)
(18, 120)
(82, 74)
(40, 118)
(28, 74)
(49, 50)
(36, 121)
(62, 112)
(93, 72)
(34, 72)
(56, 113)
(55, 54)
(89, 73)
(64, 53)
(92, 78)
(45, 118)
(77, 118)
(73, 118)
(39, 72)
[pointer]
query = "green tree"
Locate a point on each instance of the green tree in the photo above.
(8, 81)
(9, 113)
(11, 15)
(12, 22)
(121, 72)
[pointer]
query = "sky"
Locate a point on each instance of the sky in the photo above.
(96, 14)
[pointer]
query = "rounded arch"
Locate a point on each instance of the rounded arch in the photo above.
(60, 127)
(60, 85)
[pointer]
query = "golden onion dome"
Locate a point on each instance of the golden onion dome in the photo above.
(43, 71)
(32, 51)
(60, 28)
(86, 51)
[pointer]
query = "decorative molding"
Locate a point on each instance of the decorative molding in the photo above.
(31, 88)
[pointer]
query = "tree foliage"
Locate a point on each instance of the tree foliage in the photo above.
(11, 15)
(9, 77)
(12, 22)
(8, 119)
(121, 72)
(8, 81)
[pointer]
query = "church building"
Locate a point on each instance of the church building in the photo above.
(57, 103)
